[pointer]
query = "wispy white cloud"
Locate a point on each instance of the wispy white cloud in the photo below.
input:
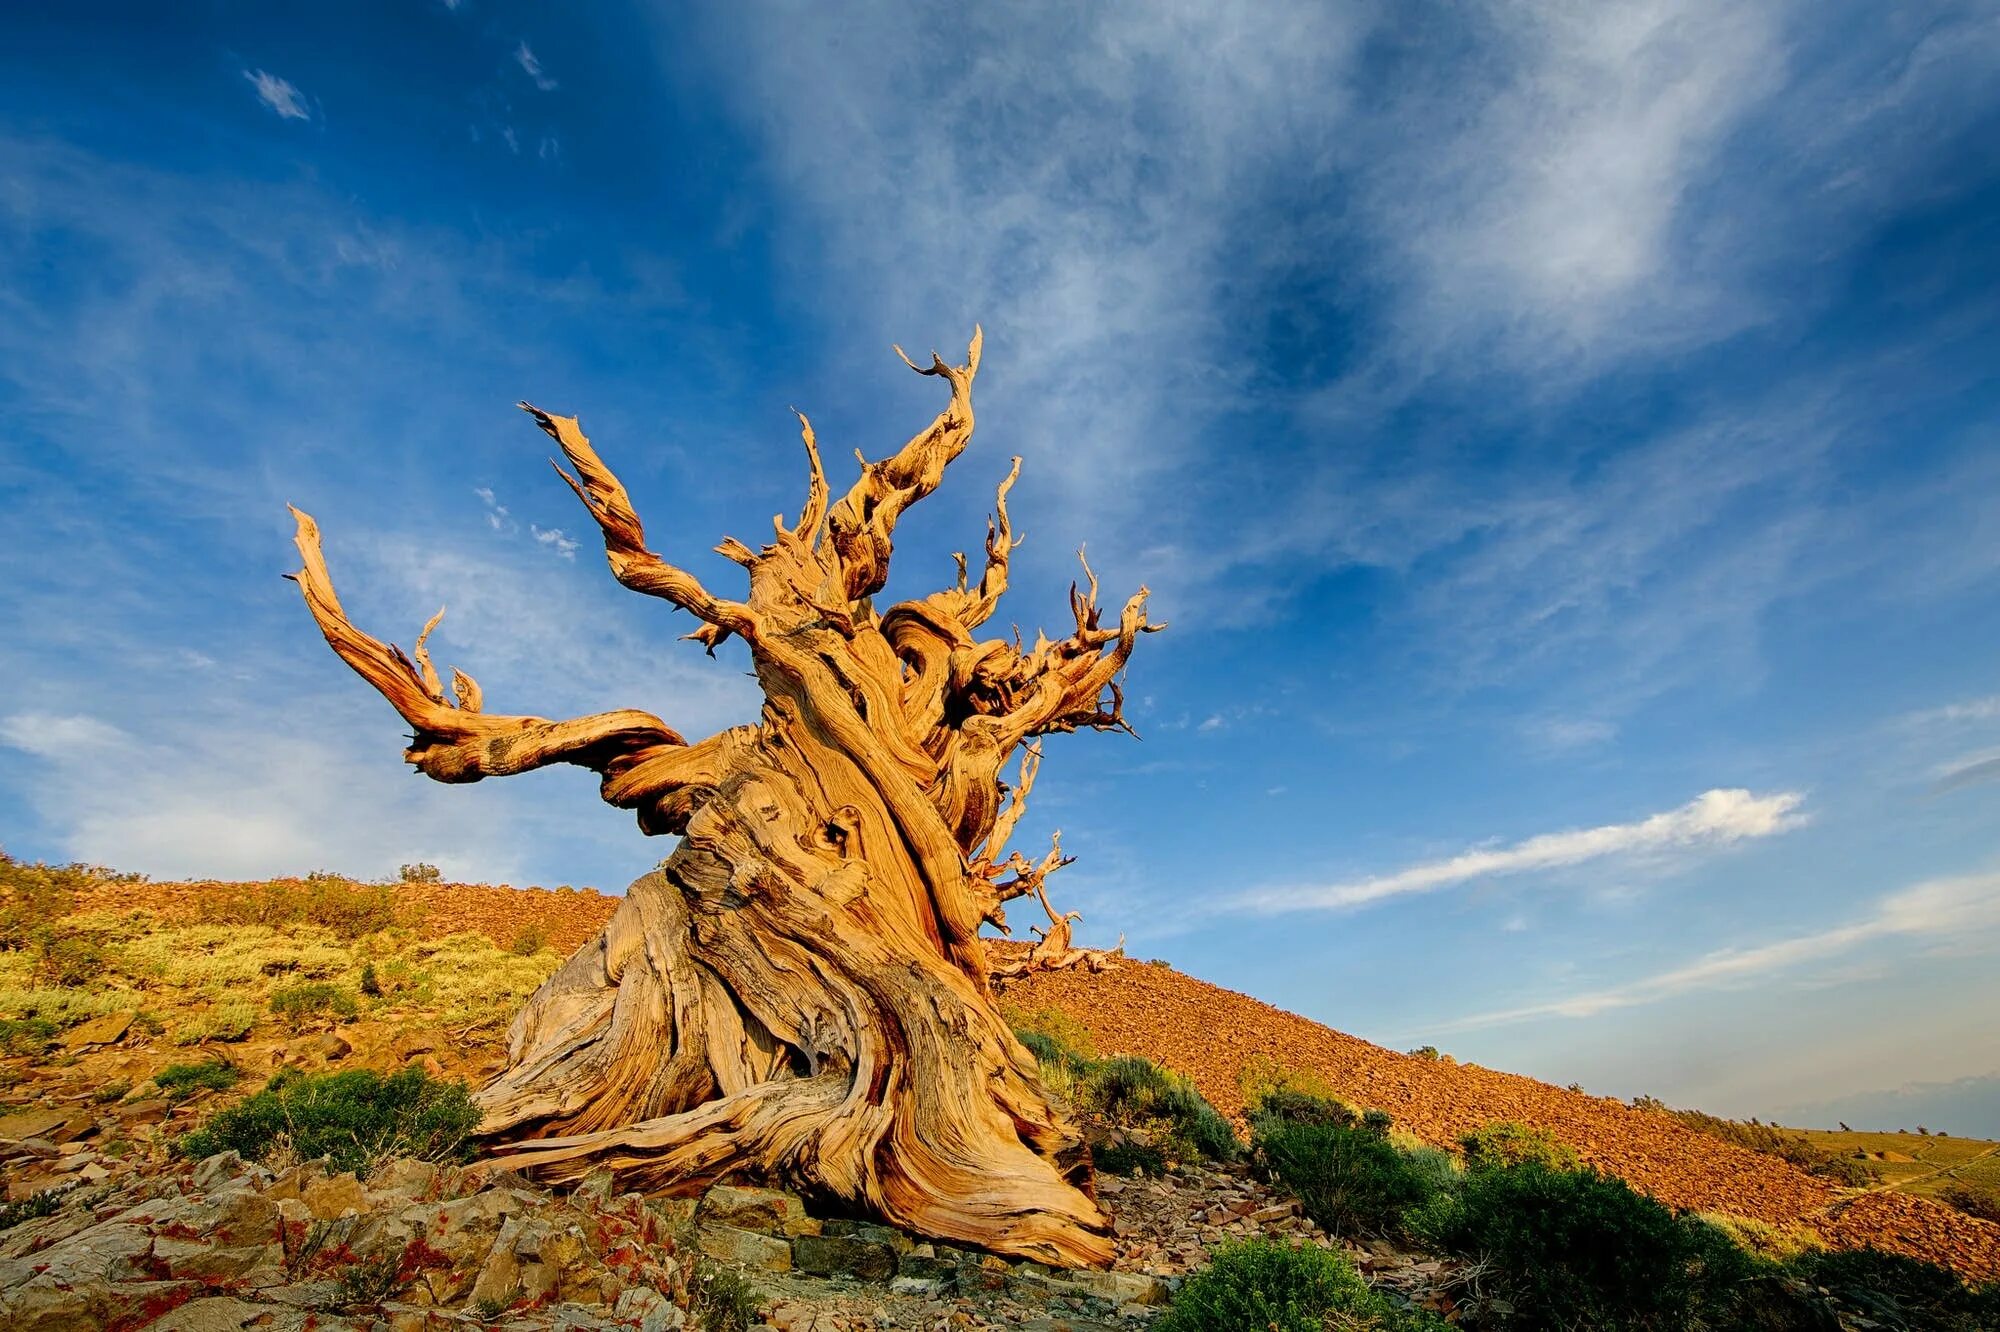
(1559, 173)
(1937, 908)
(1967, 770)
(1971, 710)
(1712, 819)
(281, 95)
(555, 539)
(531, 65)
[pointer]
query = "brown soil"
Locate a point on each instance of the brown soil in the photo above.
(1210, 1034)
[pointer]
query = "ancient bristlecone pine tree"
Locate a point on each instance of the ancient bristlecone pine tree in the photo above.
(800, 990)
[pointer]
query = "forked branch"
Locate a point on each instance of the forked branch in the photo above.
(461, 743)
(638, 568)
(863, 523)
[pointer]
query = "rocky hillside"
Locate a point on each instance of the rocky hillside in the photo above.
(1201, 1030)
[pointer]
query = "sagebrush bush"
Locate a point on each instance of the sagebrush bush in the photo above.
(1137, 1093)
(349, 909)
(179, 1081)
(1261, 1286)
(1972, 1199)
(1050, 1024)
(1128, 1158)
(355, 1117)
(298, 1004)
(1891, 1291)
(1264, 1080)
(1578, 1249)
(1350, 1180)
(28, 1035)
(1505, 1142)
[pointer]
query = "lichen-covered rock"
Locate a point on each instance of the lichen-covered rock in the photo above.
(767, 1211)
(844, 1255)
(745, 1248)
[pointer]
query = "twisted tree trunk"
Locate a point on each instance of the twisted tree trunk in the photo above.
(800, 990)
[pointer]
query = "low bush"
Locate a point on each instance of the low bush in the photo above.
(1129, 1158)
(529, 941)
(720, 1300)
(1135, 1093)
(299, 1004)
(1264, 1080)
(27, 1035)
(1973, 1199)
(66, 959)
(229, 1020)
(341, 905)
(421, 872)
(1577, 1249)
(1890, 1291)
(35, 1205)
(1050, 1024)
(1505, 1143)
(1350, 1180)
(354, 1117)
(1285, 1288)
(180, 1081)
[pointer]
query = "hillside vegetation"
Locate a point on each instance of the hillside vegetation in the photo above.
(112, 989)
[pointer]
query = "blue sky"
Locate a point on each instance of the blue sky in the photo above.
(1561, 437)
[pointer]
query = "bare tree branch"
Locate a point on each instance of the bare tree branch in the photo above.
(864, 521)
(463, 744)
(625, 538)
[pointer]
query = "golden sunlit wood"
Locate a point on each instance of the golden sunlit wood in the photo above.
(800, 991)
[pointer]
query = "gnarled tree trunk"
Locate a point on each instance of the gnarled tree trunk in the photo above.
(800, 991)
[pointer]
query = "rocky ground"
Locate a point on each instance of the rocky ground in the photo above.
(138, 1239)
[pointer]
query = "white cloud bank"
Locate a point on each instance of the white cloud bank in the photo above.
(1713, 818)
(281, 95)
(1932, 909)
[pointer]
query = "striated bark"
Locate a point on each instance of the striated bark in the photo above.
(800, 990)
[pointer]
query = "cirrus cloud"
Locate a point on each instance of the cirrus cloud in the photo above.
(1714, 818)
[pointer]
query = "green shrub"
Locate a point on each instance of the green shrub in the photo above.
(529, 941)
(1583, 1250)
(1982, 1201)
(349, 909)
(1350, 1180)
(179, 1081)
(1286, 1106)
(1051, 1024)
(27, 1035)
(35, 1205)
(720, 1300)
(1129, 1157)
(1137, 1091)
(1260, 1286)
(298, 1004)
(371, 984)
(421, 872)
(66, 959)
(1505, 1143)
(1891, 1291)
(354, 1117)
